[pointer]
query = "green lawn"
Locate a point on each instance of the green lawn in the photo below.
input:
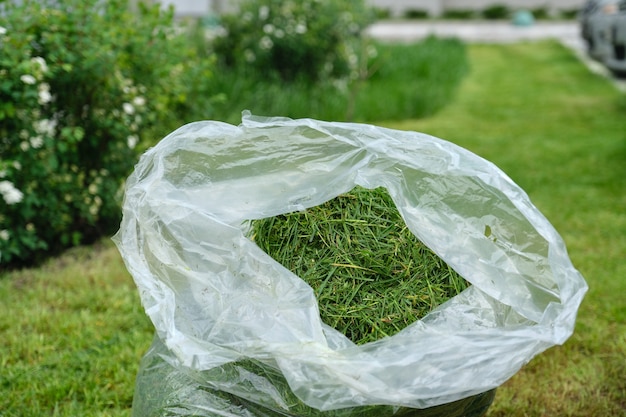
(560, 133)
(420, 77)
(72, 332)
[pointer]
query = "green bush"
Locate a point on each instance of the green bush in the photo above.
(568, 14)
(381, 13)
(496, 11)
(308, 40)
(416, 14)
(541, 13)
(461, 14)
(81, 82)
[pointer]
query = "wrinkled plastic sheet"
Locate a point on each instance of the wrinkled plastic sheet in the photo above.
(218, 301)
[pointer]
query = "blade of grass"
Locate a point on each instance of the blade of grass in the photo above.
(360, 258)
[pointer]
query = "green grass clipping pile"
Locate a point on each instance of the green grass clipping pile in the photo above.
(372, 277)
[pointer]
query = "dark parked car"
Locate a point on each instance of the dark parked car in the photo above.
(616, 61)
(603, 27)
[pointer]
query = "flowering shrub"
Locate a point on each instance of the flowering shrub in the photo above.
(80, 84)
(309, 40)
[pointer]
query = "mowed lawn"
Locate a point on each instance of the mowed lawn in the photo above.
(559, 131)
(72, 332)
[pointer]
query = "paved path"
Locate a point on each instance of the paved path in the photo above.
(476, 31)
(491, 32)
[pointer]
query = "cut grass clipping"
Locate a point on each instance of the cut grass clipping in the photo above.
(372, 277)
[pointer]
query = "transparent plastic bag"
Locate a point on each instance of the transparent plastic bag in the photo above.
(245, 331)
(253, 389)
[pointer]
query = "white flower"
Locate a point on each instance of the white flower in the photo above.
(44, 97)
(249, 55)
(268, 28)
(128, 108)
(341, 85)
(24, 146)
(266, 43)
(301, 28)
(219, 32)
(10, 194)
(44, 94)
(264, 12)
(139, 101)
(3, 173)
(36, 142)
(279, 33)
(131, 141)
(28, 79)
(4, 234)
(3, 30)
(45, 126)
(41, 62)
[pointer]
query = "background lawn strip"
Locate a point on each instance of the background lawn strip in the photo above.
(560, 132)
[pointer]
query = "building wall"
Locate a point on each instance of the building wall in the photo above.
(396, 7)
(189, 7)
(436, 7)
